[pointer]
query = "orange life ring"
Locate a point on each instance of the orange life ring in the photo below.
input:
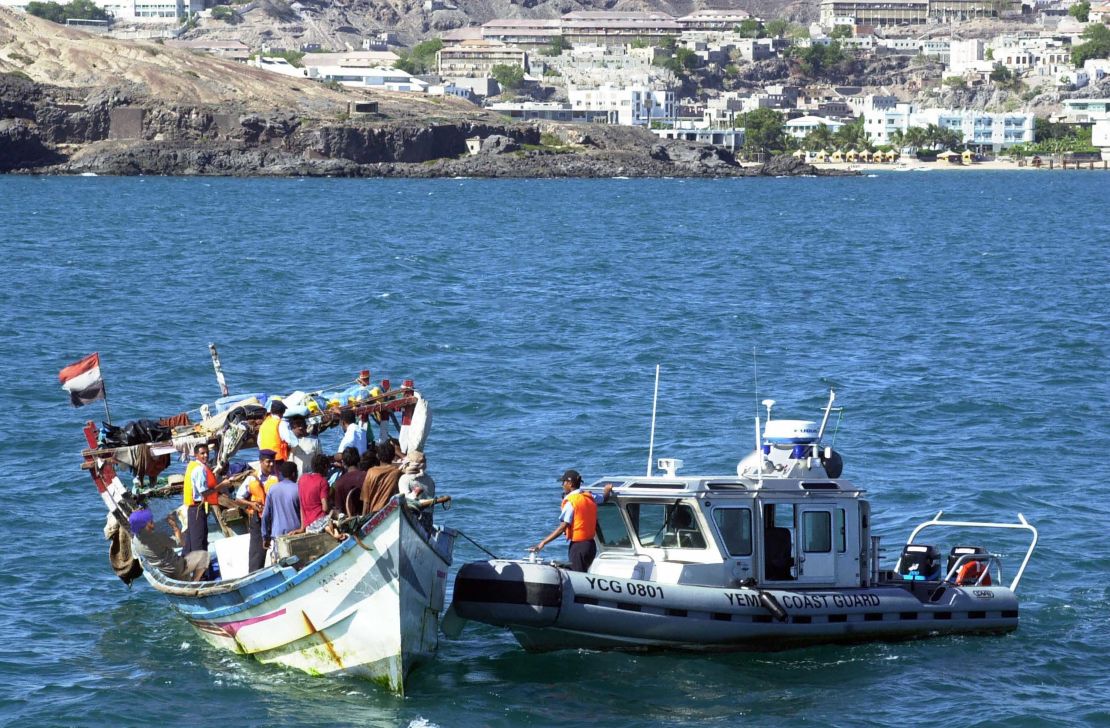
(969, 574)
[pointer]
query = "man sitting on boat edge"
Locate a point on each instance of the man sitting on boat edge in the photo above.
(158, 551)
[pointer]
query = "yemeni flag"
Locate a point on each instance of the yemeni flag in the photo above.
(83, 381)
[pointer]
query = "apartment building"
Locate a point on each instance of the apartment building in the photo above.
(631, 105)
(476, 58)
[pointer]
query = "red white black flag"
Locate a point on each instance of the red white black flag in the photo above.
(83, 381)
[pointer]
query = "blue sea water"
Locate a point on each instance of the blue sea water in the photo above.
(962, 318)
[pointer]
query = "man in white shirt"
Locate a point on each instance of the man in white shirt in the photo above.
(306, 446)
(354, 435)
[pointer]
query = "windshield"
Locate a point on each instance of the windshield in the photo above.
(665, 525)
(611, 531)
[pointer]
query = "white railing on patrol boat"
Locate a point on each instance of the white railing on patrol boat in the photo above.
(1022, 525)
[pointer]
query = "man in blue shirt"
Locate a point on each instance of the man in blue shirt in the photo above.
(282, 513)
(354, 434)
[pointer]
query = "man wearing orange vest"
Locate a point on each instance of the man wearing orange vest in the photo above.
(274, 433)
(252, 496)
(578, 520)
(200, 491)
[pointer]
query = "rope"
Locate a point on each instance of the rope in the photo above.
(480, 546)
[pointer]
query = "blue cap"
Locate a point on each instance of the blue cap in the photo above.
(266, 454)
(139, 519)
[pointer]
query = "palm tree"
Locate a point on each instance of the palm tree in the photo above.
(819, 138)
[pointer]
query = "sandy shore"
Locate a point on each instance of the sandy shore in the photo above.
(910, 165)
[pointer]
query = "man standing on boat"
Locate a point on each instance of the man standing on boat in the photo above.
(307, 447)
(252, 495)
(274, 432)
(354, 433)
(282, 512)
(200, 492)
(578, 520)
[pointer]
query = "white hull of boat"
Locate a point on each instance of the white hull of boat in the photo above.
(370, 608)
(550, 608)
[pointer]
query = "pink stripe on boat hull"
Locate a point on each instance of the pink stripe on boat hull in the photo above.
(232, 628)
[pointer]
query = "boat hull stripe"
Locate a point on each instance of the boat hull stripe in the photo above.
(494, 591)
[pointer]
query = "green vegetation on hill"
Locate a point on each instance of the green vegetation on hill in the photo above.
(226, 14)
(1080, 11)
(1096, 45)
(819, 59)
(76, 9)
(508, 77)
(421, 59)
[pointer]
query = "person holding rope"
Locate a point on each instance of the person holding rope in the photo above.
(578, 520)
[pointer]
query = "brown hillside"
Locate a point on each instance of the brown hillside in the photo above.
(52, 54)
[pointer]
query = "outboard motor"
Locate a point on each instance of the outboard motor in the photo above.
(508, 593)
(920, 562)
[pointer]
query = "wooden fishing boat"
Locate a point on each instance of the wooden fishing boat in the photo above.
(367, 606)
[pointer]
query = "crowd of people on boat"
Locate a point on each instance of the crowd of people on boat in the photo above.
(293, 488)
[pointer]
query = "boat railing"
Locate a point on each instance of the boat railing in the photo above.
(987, 560)
(1022, 524)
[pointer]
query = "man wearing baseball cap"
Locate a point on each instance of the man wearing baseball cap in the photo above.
(578, 520)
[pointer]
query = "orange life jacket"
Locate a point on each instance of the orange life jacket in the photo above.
(258, 488)
(269, 438)
(969, 574)
(210, 496)
(584, 525)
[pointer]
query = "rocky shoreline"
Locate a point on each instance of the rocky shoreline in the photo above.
(121, 131)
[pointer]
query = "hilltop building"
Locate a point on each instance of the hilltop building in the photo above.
(476, 58)
(871, 13)
(605, 27)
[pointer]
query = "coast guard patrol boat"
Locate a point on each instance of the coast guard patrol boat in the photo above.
(779, 554)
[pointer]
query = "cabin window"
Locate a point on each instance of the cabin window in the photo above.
(841, 536)
(735, 525)
(817, 529)
(665, 525)
(611, 530)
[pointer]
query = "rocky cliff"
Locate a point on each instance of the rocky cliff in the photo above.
(85, 104)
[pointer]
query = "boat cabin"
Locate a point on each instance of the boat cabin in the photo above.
(728, 531)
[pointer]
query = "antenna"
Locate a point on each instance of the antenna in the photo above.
(825, 418)
(651, 441)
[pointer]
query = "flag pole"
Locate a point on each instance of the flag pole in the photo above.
(104, 389)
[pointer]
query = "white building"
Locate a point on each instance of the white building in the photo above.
(1100, 137)
(732, 139)
(389, 79)
(350, 59)
(151, 11)
(978, 128)
(1086, 111)
(634, 105)
(801, 127)
(277, 65)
